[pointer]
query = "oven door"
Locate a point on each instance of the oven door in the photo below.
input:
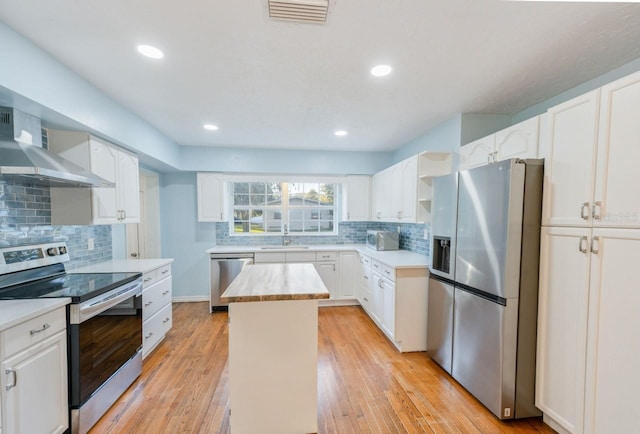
(105, 333)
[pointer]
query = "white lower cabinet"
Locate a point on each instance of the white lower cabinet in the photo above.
(588, 324)
(336, 269)
(396, 300)
(33, 386)
(348, 265)
(327, 272)
(156, 307)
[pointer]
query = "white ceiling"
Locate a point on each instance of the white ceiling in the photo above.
(275, 84)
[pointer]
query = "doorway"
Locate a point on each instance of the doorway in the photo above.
(143, 239)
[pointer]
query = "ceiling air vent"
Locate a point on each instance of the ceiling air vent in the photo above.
(302, 11)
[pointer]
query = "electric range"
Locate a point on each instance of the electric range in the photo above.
(104, 323)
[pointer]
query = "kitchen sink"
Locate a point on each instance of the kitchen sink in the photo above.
(284, 247)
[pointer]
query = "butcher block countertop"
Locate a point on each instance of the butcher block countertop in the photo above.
(272, 282)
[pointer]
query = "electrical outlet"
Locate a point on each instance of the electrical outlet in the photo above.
(398, 229)
(426, 234)
(507, 412)
(90, 244)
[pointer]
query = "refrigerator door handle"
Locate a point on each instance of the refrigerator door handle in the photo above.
(595, 210)
(583, 214)
(582, 246)
(595, 249)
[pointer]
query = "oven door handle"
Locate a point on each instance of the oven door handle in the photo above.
(91, 308)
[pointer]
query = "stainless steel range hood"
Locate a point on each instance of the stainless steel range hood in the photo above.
(22, 157)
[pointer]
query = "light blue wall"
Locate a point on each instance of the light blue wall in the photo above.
(585, 87)
(282, 161)
(51, 90)
(183, 237)
(449, 135)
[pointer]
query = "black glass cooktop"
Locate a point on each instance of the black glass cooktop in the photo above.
(79, 287)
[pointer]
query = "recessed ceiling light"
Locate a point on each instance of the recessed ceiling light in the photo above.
(340, 133)
(210, 127)
(380, 70)
(150, 51)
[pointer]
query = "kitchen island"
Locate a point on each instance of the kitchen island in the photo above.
(273, 348)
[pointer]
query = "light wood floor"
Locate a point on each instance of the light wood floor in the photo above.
(365, 385)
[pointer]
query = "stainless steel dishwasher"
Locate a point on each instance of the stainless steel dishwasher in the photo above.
(224, 267)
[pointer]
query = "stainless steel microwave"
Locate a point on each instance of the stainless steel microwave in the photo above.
(383, 240)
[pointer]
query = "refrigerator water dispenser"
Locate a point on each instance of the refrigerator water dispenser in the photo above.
(442, 254)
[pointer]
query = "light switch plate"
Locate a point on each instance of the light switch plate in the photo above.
(426, 234)
(90, 244)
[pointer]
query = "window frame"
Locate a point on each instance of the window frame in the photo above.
(284, 208)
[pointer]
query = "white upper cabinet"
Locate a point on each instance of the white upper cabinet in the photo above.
(616, 202)
(96, 206)
(477, 153)
(357, 198)
(211, 197)
(395, 192)
(570, 164)
(517, 141)
(591, 171)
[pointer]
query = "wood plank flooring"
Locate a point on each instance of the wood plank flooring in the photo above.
(364, 384)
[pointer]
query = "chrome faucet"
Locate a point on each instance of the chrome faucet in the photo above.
(285, 241)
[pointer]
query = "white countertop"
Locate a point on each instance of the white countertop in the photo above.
(290, 248)
(392, 258)
(13, 312)
(124, 266)
(272, 282)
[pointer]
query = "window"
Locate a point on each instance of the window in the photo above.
(259, 207)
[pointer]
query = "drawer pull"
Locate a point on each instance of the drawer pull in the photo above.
(165, 292)
(387, 271)
(148, 336)
(40, 330)
(148, 304)
(14, 383)
(366, 299)
(165, 271)
(166, 320)
(148, 279)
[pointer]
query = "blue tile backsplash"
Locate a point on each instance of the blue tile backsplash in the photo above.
(25, 218)
(411, 236)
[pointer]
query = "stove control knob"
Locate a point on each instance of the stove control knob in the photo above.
(52, 251)
(62, 250)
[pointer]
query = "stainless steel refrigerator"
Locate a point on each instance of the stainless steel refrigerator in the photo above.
(483, 292)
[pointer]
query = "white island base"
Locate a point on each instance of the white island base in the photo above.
(273, 367)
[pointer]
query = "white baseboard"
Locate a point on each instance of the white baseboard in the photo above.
(190, 298)
(343, 302)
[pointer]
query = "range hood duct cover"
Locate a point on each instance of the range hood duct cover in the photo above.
(302, 11)
(23, 159)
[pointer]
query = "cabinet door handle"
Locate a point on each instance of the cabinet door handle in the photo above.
(585, 207)
(489, 158)
(221, 216)
(596, 210)
(348, 215)
(40, 330)
(595, 248)
(582, 246)
(14, 383)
